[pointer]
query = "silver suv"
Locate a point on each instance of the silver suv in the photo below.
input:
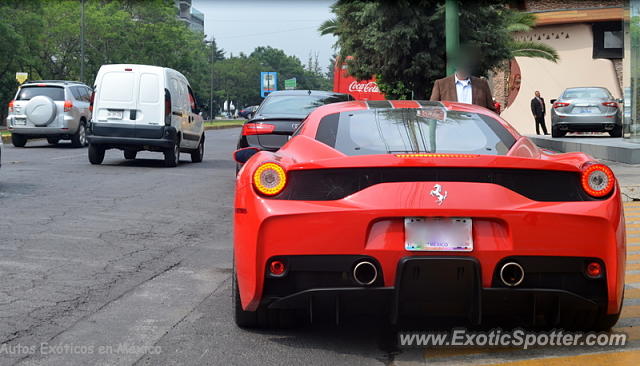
(52, 109)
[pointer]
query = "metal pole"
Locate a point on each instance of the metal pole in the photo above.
(82, 40)
(213, 56)
(452, 34)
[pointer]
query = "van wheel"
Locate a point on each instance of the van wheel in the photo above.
(53, 140)
(18, 140)
(130, 154)
(79, 139)
(198, 154)
(172, 156)
(96, 154)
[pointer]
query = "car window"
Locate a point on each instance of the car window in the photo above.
(586, 93)
(75, 90)
(53, 92)
(192, 100)
(84, 93)
(408, 130)
(298, 104)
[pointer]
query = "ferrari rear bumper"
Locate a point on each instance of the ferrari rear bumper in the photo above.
(449, 289)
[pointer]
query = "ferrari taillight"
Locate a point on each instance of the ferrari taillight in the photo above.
(269, 179)
(597, 180)
(257, 129)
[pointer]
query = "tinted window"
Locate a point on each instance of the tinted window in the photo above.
(586, 93)
(53, 92)
(298, 104)
(75, 90)
(433, 130)
(84, 93)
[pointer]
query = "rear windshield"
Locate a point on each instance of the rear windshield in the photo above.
(298, 104)
(430, 130)
(586, 93)
(53, 92)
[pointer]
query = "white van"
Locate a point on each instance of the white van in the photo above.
(140, 107)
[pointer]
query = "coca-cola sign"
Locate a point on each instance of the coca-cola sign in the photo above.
(364, 87)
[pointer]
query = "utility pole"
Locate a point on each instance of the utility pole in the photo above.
(82, 41)
(452, 34)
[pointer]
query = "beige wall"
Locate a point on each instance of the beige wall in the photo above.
(575, 68)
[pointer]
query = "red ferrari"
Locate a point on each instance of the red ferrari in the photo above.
(425, 210)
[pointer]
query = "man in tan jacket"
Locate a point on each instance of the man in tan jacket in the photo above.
(464, 88)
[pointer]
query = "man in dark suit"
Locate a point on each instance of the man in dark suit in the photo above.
(464, 88)
(539, 110)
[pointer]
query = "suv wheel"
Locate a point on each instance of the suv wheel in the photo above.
(80, 137)
(96, 154)
(53, 140)
(172, 155)
(18, 140)
(130, 154)
(198, 154)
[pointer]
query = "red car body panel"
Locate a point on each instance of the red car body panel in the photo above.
(370, 221)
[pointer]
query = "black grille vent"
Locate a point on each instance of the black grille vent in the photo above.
(334, 184)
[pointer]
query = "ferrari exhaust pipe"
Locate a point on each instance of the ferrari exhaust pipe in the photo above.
(511, 274)
(365, 273)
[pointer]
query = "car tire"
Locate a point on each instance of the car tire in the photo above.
(198, 154)
(130, 154)
(96, 154)
(243, 319)
(616, 132)
(79, 139)
(172, 155)
(53, 140)
(555, 132)
(18, 140)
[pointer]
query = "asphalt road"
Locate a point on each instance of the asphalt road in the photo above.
(130, 263)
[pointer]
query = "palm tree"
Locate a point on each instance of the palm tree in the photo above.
(329, 27)
(518, 22)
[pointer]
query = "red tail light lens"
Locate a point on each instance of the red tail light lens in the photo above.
(277, 268)
(610, 104)
(560, 104)
(11, 106)
(257, 129)
(91, 99)
(597, 180)
(269, 179)
(594, 269)
(68, 105)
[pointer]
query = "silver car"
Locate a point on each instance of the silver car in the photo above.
(591, 109)
(52, 109)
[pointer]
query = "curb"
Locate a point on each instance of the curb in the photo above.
(6, 139)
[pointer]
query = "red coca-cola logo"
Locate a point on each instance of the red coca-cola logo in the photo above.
(364, 87)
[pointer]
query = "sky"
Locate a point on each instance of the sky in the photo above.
(290, 25)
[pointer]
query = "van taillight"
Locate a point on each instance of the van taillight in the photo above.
(68, 105)
(11, 106)
(167, 107)
(93, 96)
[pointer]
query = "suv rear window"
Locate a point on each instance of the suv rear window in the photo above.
(426, 130)
(53, 92)
(298, 104)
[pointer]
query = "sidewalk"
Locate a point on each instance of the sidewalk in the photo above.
(628, 176)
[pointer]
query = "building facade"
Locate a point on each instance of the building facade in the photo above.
(190, 15)
(632, 68)
(589, 39)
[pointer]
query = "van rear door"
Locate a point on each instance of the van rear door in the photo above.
(116, 97)
(150, 115)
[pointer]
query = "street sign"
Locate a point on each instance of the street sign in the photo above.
(21, 77)
(290, 84)
(268, 83)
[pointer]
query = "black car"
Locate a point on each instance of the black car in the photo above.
(280, 114)
(248, 112)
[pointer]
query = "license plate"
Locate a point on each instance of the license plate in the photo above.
(114, 114)
(438, 234)
(585, 110)
(19, 121)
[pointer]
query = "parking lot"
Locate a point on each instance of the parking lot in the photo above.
(131, 254)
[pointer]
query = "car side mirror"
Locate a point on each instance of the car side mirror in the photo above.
(243, 155)
(552, 101)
